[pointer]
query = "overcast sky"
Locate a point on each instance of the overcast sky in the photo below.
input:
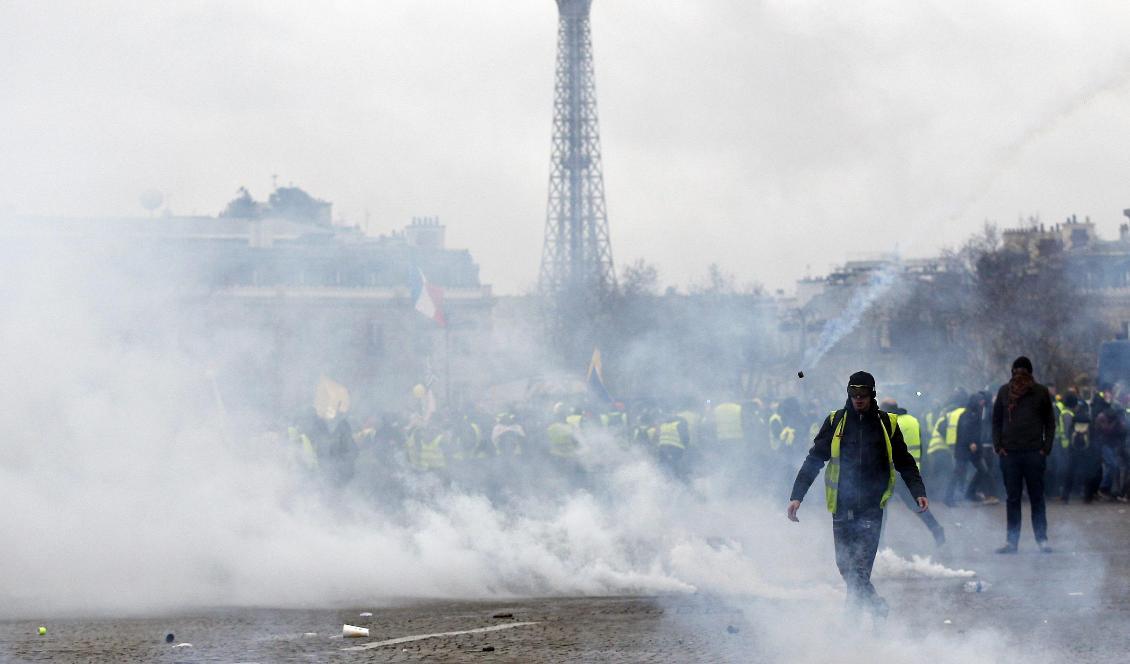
(774, 138)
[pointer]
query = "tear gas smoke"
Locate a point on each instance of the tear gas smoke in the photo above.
(130, 488)
(860, 302)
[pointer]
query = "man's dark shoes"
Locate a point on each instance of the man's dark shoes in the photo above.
(1044, 548)
(1007, 548)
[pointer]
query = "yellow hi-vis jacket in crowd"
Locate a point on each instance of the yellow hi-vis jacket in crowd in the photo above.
(431, 456)
(562, 442)
(692, 419)
(937, 438)
(1061, 431)
(779, 433)
(776, 424)
(670, 434)
(832, 472)
(728, 423)
(912, 434)
(951, 426)
(305, 449)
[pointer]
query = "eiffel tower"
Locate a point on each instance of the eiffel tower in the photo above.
(576, 261)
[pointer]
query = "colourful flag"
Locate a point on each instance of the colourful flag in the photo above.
(427, 297)
(595, 377)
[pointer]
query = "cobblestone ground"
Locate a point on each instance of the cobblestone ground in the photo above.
(1071, 605)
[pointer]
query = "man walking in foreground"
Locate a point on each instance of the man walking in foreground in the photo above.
(863, 447)
(1023, 432)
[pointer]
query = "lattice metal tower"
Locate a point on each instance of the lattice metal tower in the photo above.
(576, 259)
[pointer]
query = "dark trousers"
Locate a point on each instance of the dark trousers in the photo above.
(981, 481)
(1112, 470)
(939, 468)
(1080, 472)
(1057, 466)
(857, 541)
(674, 460)
(1024, 469)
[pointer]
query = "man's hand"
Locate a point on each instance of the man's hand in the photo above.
(794, 505)
(923, 504)
(973, 447)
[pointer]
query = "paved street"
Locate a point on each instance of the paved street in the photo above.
(1071, 605)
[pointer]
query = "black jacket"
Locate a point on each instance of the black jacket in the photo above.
(1030, 425)
(1108, 429)
(864, 467)
(968, 429)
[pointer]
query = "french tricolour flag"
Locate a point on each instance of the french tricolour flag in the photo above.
(427, 297)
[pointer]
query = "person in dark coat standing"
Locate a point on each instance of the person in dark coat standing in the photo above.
(1023, 432)
(864, 448)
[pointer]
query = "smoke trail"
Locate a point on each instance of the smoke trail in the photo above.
(861, 300)
(837, 328)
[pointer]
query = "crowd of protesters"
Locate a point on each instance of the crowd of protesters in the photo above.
(538, 441)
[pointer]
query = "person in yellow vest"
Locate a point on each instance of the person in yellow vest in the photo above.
(781, 436)
(425, 445)
(731, 451)
(729, 429)
(508, 436)
(332, 438)
(693, 420)
(790, 436)
(615, 422)
(671, 441)
(644, 432)
(967, 451)
(1059, 450)
(864, 449)
(561, 434)
(912, 435)
(301, 448)
(943, 439)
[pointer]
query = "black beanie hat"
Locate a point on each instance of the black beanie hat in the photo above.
(862, 378)
(1022, 363)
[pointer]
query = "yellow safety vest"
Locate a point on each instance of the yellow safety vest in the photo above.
(937, 441)
(776, 431)
(788, 436)
(912, 434)
(1061, 433)
(832, 472)
(669, 435)
(951, 426)
(306, 452)
(728, 423)
(430, 454)
(562, 443)
(485, 448)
